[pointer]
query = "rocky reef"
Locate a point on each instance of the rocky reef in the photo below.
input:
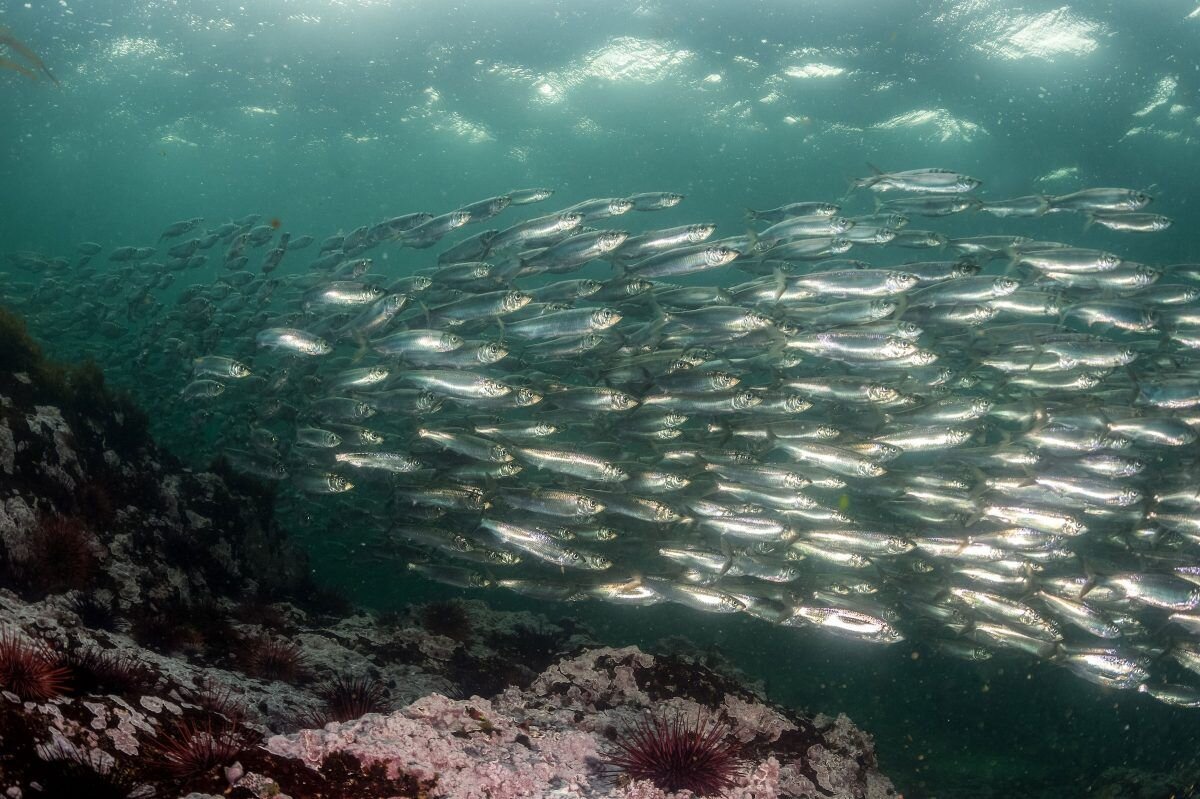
(159, 637)
(381, 707)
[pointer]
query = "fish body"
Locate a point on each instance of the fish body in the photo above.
(920, 181)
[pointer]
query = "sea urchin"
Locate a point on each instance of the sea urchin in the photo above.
(679, 753)
(29, 670)
(192, 747)
(348, 698)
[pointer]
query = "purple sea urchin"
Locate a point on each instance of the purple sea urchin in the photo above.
(679, 753)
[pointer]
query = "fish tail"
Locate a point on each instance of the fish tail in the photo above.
(361, 340)
(851, 185)
(727, 551)
(1013, 257)
(780, 284)
(752, 234)
(1091, 581)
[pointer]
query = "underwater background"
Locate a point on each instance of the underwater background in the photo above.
(329, 115)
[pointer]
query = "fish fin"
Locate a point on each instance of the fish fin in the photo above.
(851, 185)
(1091, 220)
(875, 170)
(780, 284)
(727, 551)
(361, 341)
(751, 215)
(980, 479)
(652, 300)
(1013, 257)
(1091, 581)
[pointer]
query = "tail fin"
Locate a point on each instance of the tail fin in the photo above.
(780, 284)
(752, 234)
(1091, 582)
(751, 215)
(1013, 256)
(1091, 220)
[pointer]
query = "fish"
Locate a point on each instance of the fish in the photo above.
(793, 210)
(655, 200)
(1028, 206)
(1128, 222)
(918, 181)
(1101, 200)
(935, 205)
(292, 340)
(219, 366)
(528, 196)
(982, 452)
(179, 228)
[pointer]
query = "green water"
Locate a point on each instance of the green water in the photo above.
(329, 115)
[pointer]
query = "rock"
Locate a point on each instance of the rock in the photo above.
(176, 607)
(550, 739)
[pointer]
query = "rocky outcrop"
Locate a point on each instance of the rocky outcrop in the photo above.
(555, 737)
(88, 503)
(126, 724)
(550, 732)
(158, 637)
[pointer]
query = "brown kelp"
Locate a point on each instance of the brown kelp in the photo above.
(8, 40)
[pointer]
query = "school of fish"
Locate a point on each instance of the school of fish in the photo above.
(983, 444)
